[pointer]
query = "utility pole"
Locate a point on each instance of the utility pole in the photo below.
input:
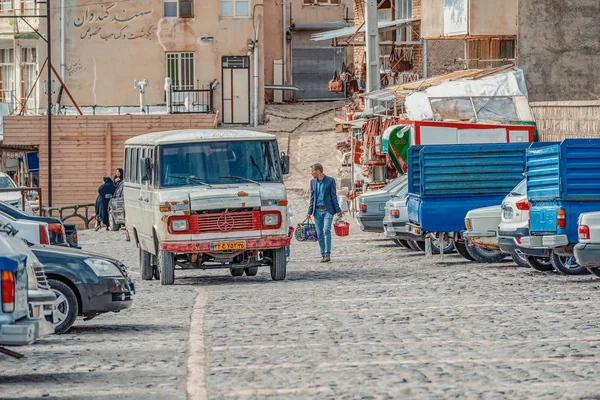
(49, 37)
(372, 44)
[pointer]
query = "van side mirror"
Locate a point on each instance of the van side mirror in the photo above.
(146, 169)
(285, 164)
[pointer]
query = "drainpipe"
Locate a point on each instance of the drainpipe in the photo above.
(284, 40)
(255, 55)
(62, 40)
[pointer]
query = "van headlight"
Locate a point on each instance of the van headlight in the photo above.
(179, 225)
(271, 219)
(103, 268)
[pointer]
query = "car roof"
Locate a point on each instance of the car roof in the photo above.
(196, 135)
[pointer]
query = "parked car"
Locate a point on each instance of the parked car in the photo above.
(85, 284)
(116, 209)
(562, 183)
(13, 198)
(33, 231)
(372, 204)
(55, 226)
(587, 251)
(27, 307)
(514, 224)
(71, 232)
(481, 234)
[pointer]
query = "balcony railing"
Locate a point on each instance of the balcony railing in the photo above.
(191, 101)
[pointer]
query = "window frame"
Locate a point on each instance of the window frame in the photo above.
(127, 164)
(8, 86)
(404, 9)
(169, 56)
(178, 7)
(234, 2)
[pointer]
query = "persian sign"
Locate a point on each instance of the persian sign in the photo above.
(113, 22)
(456, 17)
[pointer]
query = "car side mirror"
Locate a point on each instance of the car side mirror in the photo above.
(146, 169)
(285, 164)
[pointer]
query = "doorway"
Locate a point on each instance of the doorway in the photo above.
(236, 89)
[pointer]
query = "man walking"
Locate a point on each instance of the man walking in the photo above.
(323, 205)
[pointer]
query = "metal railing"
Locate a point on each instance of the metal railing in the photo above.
(191, 101)
(24, 190)
(59, 212)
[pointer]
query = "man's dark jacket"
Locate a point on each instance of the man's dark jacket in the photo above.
(329, 196)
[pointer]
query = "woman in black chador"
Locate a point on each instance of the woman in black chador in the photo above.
(105, 193)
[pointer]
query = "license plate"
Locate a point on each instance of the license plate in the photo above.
(227, 246)
(508, 214)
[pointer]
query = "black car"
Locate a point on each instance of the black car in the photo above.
(116, 209)
(86, 284)
(55, 226)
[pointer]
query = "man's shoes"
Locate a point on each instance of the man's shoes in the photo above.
(326, 259)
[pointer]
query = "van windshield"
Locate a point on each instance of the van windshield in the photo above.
(219, 163)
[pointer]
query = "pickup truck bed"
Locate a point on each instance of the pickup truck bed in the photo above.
(445, 182)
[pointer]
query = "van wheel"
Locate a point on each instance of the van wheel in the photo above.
(278, 266)
(251, 271)
(145, 265)
(567, 265)
(485, 256)
(541, 264)
(236, 271)
(595, 271)
(520, 260)
(166, 262)
(111, 222)
(461, 248)
(66, 304)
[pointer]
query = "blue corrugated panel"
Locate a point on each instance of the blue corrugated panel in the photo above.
(543, 173)
(580, 169)
(471, 170)
(414, 170)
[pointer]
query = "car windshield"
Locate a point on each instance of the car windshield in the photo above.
(6, 183)
(219, 163)
(520, 189)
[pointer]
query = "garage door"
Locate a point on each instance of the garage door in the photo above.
(313, 64)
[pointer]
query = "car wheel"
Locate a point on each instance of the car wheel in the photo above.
(420, 245)
(236, 271)
(567, 265)
(66, 304)
(404, 243)
(413, 245)
(435, 246)
(461, 248)
(541, 264)
(520, 260)
(278, 265)
(166, 263)
(485, 256)
(111, 222)
(595, 271)
(145, 265)
(251, 271)
(398, 242)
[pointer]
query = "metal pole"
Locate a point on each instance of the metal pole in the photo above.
(372, 44)
(49, 36)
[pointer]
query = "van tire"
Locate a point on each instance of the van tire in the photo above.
(567, 265)
(538, 265)
(236, 271)
(461, 248)
(251, 271)
(166, 262)
(111, 222)
(145, 265)
(485, 256)
(520, 260)
(278, 266)
(72, 305)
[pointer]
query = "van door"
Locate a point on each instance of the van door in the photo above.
(147, 202)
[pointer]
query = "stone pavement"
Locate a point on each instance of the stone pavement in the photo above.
(377, 322)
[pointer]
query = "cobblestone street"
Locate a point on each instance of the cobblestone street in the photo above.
(377, 322)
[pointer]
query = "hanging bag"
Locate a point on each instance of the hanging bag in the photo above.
(336, 85)
(306, 231)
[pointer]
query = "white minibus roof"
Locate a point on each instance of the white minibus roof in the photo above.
(196, 135)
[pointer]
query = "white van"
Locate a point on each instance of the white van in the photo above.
(206, 199)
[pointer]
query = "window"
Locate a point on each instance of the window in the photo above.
(7, 5)
(127, 164)
(135, 162)
(235, 8)
(28, 7)
(29, 71)
(7, 77)
(404, 9)
(180, 68)
(323, 2)
(178, 8)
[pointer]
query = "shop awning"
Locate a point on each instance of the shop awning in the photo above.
(343, 32)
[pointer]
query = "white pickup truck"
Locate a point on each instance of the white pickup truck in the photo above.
(32, 231)
(587, 251)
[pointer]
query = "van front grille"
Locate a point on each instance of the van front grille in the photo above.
(225, 222)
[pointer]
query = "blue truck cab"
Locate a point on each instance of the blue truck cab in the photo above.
(447, 181)
(563, 181)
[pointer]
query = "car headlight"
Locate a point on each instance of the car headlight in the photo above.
(271, 219)
(179, 225)
(103, 268)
